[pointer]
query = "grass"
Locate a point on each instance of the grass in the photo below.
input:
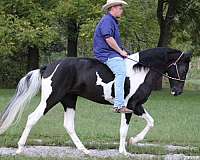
(176, 122)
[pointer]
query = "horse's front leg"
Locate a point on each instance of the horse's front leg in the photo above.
(125, 119)
(150, 123)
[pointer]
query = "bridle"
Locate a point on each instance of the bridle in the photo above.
(171, 65)
(176, 67)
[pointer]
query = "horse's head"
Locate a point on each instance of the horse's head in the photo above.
(178, 66)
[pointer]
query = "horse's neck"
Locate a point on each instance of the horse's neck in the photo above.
(150, 80)
(151, 74)
(155, 61)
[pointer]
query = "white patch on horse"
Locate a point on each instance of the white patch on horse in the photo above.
(107, 89)
(46, 83)
(136, 78)
(130, 63)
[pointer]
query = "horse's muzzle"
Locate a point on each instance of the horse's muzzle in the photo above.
(176, 93)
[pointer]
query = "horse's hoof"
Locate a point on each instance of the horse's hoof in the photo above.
(85, 151)
(19, 151)
(131, 141)
(123, 153)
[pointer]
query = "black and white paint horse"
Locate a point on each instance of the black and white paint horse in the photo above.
(65, 80)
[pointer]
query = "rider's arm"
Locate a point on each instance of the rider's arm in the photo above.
(113, 44)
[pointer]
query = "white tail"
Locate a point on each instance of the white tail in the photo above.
(27, 88)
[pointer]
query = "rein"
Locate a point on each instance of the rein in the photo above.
(165, 75)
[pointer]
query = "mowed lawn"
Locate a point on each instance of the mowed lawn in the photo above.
(177, 121)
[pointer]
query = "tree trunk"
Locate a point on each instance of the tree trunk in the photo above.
(32, 58)
(165, 22)
(72, 41)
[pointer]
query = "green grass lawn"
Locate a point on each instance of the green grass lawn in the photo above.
(177, 121)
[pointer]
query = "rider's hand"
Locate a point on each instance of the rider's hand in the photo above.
(124, 53)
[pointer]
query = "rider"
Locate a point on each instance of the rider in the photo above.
(108, 49)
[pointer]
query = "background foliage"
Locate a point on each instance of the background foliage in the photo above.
(44, 27)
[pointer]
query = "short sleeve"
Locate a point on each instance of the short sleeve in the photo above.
(107, 28)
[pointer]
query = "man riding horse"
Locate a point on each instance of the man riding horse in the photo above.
(108, 49)
(67, 79)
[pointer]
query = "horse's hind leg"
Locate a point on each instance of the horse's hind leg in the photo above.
(69, 103)
(34, 117)
(32, 120)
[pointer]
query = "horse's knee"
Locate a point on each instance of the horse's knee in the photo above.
(149, 119)
(151, 123)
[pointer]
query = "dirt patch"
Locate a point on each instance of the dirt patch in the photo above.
(61, 152)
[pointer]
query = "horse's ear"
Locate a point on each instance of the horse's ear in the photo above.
(188, 56)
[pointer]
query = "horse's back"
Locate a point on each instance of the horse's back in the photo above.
(80, 66)
(78, 76)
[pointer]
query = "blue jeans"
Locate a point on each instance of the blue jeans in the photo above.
(118, 67)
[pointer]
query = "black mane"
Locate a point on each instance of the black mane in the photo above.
(139, 67)
(156, 57)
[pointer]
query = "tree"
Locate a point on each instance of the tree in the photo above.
(175, 17)
(26, 28)
(31, 31)
(139, 28)
(166, 13)
(139, 25)
(73, 14)
(29, 28)
(186, 31)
